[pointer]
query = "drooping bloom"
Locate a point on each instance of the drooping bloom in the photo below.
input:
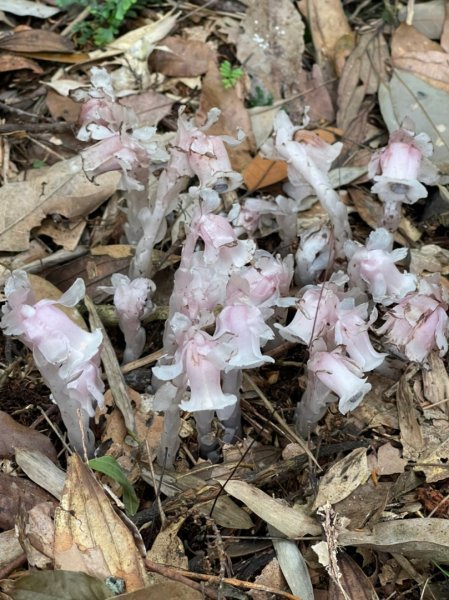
(372, 267)
(342, 376)
(309, 159)
(132, 303)
(67, 356)
(419, 323)
(399, 170)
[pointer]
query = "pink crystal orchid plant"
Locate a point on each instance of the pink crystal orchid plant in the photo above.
(67, 356)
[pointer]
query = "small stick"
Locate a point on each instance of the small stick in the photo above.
(177, 575)
(171, 572)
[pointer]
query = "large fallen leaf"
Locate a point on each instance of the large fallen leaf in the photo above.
(14, 435)
(353, 580)
(59, 585)
(16, 492)
(270, 46)
(293, 565)
(406, 95)
(35, 40)
(12, 62)
(292, 522)
(345, 476)
(178, 57)
(417, 538)
(90, 536)
(63, 189)
(414, 52)
(234, 115)
(328, 23)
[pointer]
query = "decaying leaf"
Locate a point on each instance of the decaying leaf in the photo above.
(26, 8)
(59, 585)
(12, 62)
(328, 23)
(40, 469)
(407, 95)
(416, 538)
(270, 46)
(343, 477)
(16, 492)
(64, 189)
(89, 535)
(365, 504)
(36, 533)
(362, 73)
(234, 115)
(411, 435)
(389, 460)
(353, 580)
(10, 548)
(35, 40)
(428, 17)
(436, 382)
(434, 462)
(293, 566)
(261, 172)
(14, 435)
(179, 57)
(292, 522)
(413, 52)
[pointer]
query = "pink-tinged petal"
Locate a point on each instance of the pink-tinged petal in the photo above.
(351, 331)
(248, 327)
(316, 315)
(341, 376)
(375, 270)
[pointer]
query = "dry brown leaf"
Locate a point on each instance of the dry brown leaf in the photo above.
(41, 470)
(113, 251)
(343, 477)
(429, 258)
(271, 576)
(434, 462)
(90, 536)
(166, 589)
(414, 52)
(63, 189)
(12, 62)
(36, 532)
(16, 492)
(14, 435)
(233, 116)
(178, 57)
(354, 581)
(389, 460)
(365, 504)
(10, 547)
(261, 172)
(411, 435)
(328, 23)
(62, 107)
(167, 548)
(67, 235)
(35, 40)
(149, 106)
(270, 45)
(435, 381)
(417, 538)
(292, 522)
(364, 69)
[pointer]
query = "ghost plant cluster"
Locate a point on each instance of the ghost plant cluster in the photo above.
(229, 297)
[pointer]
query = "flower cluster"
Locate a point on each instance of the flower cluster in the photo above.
(246, 283)
(121, 144)
(67, 356)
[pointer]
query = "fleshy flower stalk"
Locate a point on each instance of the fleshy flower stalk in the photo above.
(67, 356)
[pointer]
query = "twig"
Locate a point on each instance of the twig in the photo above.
(177, 575)
(23, 113)
(172, 571)
(287, 429)
(142, 362)
(36, 127)
(85, 13)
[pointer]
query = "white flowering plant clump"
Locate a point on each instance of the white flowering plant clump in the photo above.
(230, 298)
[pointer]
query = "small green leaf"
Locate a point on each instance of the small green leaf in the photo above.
(110, 467)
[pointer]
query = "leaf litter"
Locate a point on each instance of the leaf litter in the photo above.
(362, 513)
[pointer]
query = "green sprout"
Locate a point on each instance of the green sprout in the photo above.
(104, 20)
(229, 74)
